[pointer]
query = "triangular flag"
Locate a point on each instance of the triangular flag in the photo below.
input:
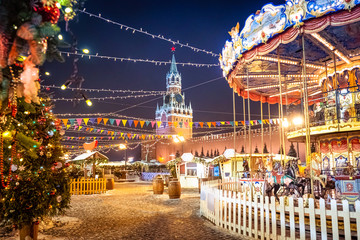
(65, 121)
(142, 123)
(72, 121)
(259, 121)
(91, 129)
(196, 124)
(232, 123)
(201, 124)
(101, 131)
(158, 124)
(130, 122)
(80, 127)
(105, 120)
(222, 123)
(218, 124)
(92, 120)
(170, 123)
(175, 124)
(99, 120)
(68, 126)
(191, 124)
(117, 122)
(86, 120)
(147, 123)
(136, 122)
(236, 123)
(214, 124)
(186, 124)
(243, 123)
(153, 124)
(181, 124)
(209, 124)
(124, 122)
(111, 121)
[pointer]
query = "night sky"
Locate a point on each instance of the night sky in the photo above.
(202, 24)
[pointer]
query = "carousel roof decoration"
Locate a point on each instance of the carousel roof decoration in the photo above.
(273, 34)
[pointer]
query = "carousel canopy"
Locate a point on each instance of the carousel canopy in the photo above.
(329, 31)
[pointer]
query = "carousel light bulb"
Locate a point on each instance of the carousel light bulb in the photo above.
(47, 73)
(297, 120)
(86, 51)
(60, 37)
(63, 87)
(58, 5)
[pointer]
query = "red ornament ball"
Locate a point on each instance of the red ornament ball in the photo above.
(48, 13)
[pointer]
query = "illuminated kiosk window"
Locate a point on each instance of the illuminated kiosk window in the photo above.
(191, 169)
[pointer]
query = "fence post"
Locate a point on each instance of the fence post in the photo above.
(217, 206)
(357, 209)
(301, 218)
(273, 217)
(346, 217)
(323, 219)
(312, 218)
(292, 218)
(334, 217)
(282, 217)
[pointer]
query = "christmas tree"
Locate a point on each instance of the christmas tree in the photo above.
(242, 150)
(292, 151)
(256, 150)
(265, 150)
(35, 182)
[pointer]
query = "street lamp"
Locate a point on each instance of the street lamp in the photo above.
(179, 139)
(123, 147)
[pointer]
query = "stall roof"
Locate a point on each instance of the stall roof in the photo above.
(88, 155)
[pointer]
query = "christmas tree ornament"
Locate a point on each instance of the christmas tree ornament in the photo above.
(59, 198)
(58, 165)
(14, 167)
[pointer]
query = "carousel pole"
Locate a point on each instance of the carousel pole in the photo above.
(306, 112)
(336, 87)
(249, 117)
(245, 129)
(234, 128)
(270, 129)
(281, 114)
(262, 129)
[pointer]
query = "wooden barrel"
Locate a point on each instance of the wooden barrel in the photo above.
(110, 184)
(158, 185)
(174, 189)
(167, 180)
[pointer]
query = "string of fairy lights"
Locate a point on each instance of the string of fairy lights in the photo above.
(106, 90)
(107, 98)
(159, 36)
(135, 60)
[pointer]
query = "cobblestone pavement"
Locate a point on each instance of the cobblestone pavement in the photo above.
(131, 211)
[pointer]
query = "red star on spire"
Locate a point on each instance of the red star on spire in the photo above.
(173, 49)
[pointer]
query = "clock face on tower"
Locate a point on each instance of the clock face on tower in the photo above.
(178, 98)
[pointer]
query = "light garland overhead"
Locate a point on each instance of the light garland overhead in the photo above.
(107, 98)
(139, 60)
(290, 62)
(104, 90)
(175, 42)
(331, 47)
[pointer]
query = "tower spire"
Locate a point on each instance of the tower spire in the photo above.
(173, 68)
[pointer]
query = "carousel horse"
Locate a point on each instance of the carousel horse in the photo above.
(286, 180)
(246, 169)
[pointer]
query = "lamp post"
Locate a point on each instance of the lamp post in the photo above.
(178, 139)
(123, 147)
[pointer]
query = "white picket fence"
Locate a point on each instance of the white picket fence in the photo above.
(264, 218)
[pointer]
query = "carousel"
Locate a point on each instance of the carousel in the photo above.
(301, 60)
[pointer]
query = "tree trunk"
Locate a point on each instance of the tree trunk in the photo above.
(29, 230)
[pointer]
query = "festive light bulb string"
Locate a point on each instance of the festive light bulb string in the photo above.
(122, 26)
(105, 90)
(106, 98)
(156, 62)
